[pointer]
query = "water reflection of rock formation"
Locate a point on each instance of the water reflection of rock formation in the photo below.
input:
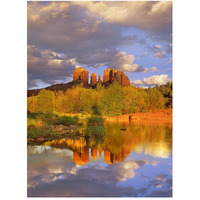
(116, 146)
(82, 157)
(112, 158)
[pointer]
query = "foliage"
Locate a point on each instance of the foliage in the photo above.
(45, 101)
(64, 120)
(31, 115)
(105, 101)
(155, 100)
(110, 103)
(35, 133)
(166, 90)
(95, 120)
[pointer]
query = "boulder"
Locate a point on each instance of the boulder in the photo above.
(58, 128)
(93, 78)
(30, 140)
(41, 139)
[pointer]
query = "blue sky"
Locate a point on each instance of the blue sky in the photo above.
(133, 37)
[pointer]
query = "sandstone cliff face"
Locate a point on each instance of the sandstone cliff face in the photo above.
(93, 79)
(111, 75)
(108, 75)
(99, 79)
(82, 75)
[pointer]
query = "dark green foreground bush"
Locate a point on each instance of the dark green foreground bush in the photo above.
(95, 121)
(64, 120)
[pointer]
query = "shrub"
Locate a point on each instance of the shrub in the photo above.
(95, 120)
(64, 120)
(31, 115)
(34, 133)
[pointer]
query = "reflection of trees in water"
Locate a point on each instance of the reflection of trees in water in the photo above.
(117, 145)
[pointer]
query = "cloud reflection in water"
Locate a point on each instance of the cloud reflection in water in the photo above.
(78, 170)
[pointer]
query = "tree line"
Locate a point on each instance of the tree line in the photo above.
(111, 101)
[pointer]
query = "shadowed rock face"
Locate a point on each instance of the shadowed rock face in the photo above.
(82, 75)
(111, 75)
(93, 78)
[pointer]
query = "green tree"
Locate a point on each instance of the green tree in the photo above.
(110, 103)
(130, 99)
(155, 100)
(166, 90)
(89, 99)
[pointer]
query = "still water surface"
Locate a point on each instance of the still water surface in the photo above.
(136, 162)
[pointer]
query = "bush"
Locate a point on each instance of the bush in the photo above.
(34, 133)
(31, 115)
(64, 120)
(95, 120)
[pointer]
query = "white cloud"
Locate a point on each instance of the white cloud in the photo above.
(153, 80)
(45, 66)
(142, 14)
(152, 69)
(158, 46)
(125, 62)
(160, 54)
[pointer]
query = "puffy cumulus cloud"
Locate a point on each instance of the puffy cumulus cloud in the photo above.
(124, 170)
(142, 14)
(113, 58)
(160, 54)
(84, 26)
(48, 66)
(153, 80)
(158, 46)
(125, 62)
(153, 17)
(66, 28)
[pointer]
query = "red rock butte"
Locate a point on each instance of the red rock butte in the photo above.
(81, 74)
(109, 76)
(93, 78)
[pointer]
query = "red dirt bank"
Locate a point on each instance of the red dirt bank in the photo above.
(152, 117)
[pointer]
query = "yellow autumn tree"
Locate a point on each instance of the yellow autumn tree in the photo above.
(45, 101)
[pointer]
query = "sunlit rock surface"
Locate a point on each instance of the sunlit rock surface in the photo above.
(111, 75)
(93, 79)
(81, 74)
